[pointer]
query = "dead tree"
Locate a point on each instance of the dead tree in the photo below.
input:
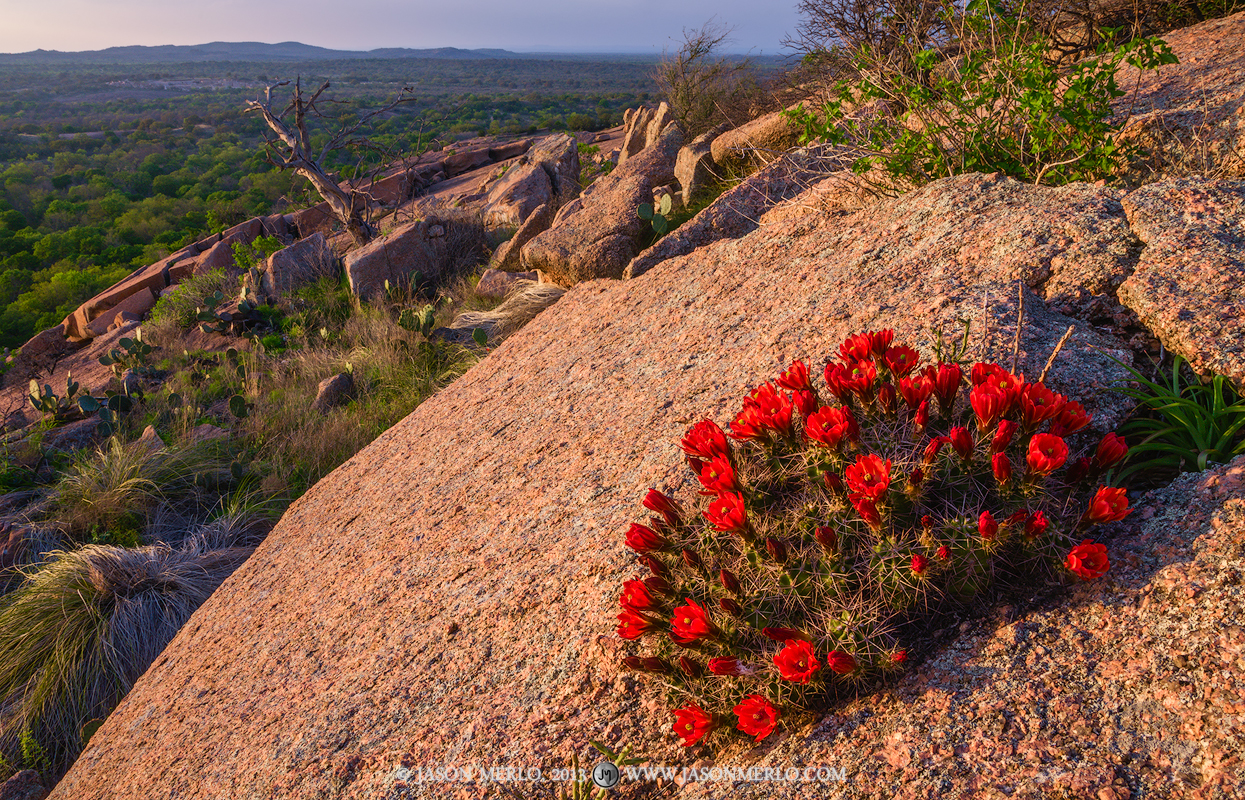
(290, 147)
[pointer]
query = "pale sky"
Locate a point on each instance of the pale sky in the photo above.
(519, 25)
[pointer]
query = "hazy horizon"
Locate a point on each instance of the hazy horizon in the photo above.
(542, 26)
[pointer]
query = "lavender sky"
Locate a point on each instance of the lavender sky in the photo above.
(645, 26)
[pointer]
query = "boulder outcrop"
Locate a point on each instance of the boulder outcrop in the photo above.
(417, 247)
(467, 562)
(597, 236)
(293, 267)
(755, 143)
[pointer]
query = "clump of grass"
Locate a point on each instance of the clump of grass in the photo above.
(177, 309)
(119, 482)
(519, 308)
(82, 628)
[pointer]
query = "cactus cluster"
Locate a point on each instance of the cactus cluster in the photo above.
(237, 323)
(131, 353)
(47, 402)
(836, 520)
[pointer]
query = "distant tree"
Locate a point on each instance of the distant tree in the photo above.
(291, 146)
(704, 87)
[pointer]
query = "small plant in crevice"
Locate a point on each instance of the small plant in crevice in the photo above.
(1184, 425)
(835, 520)
(657, 214)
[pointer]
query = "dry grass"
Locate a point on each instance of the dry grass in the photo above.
(519, 308)
(82, 628)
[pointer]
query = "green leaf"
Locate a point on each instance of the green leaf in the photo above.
(238, 406)
(480, 337)
(645, 211)
(88, 404)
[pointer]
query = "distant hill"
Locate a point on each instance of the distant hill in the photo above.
(240, 51)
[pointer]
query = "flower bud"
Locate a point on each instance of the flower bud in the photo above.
(730, 582)
(730, 607)
(654, 565)
(834, 483)
(887, 398)
(776, 549)
(691, 668)
(927, 522)
(1002, 466)
(653, 664)
(633, 663)
(1003, 435)
(827, 538)
(919, 564)
(692, 559)
(987, 526)
(661, 504)
(1079, 469)
(944, 553)
(1111, 451)
(657, 585)
(961, 442)
(921, 418)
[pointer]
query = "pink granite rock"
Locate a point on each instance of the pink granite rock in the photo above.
(1189, 286)
(447, 597)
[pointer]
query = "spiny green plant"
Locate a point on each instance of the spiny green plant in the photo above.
(107, 408)
(1000, 106)
(657, 214)
(131, 353)
(50, 404)
(832, 531)
(1185, 424)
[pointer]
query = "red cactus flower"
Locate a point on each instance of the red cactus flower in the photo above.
(637, 597)
(1047, 453)
(841, 662)
(1003, 435)
(692, 723)
(982, 371)
(632, 626)
(899, 657)
(659, 503)
(932, 449)
(728, 666)
(944, 553)
(987, 526)
(805, 402)
(718, 475)
(919, 564)
(827, 538)
(704, 440)
(730, 607)
(691, 624)
(867, 508)
(1007, 383)
(1071, 418)
(869, 476)
(1038, 404)
(947, 379)
(859, 379)
(879, 341)
(757, 717)
(730, 581)
(921, 418)
(748, 426)
(1089, 560)
(915, 478)
(927, 522)
(643, 539)
(961, 442)
(1108, 505)
(886, 397)
(988, 402)
(776, 549)
(900, 360)
(795, 377)
(797, 662)
(1111, 451)
(776, 408)
(857, 347)
(784, 634)
(1035, 525)
(836, 379)
(916, 390)
(727, 513)
(1002, 466)
(828, 427)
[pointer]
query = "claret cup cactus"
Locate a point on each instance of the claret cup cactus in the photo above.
(833, 519)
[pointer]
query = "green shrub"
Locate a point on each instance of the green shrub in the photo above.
(832, 532)
(1183, 424)
(249, 254)
(1000, 106)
